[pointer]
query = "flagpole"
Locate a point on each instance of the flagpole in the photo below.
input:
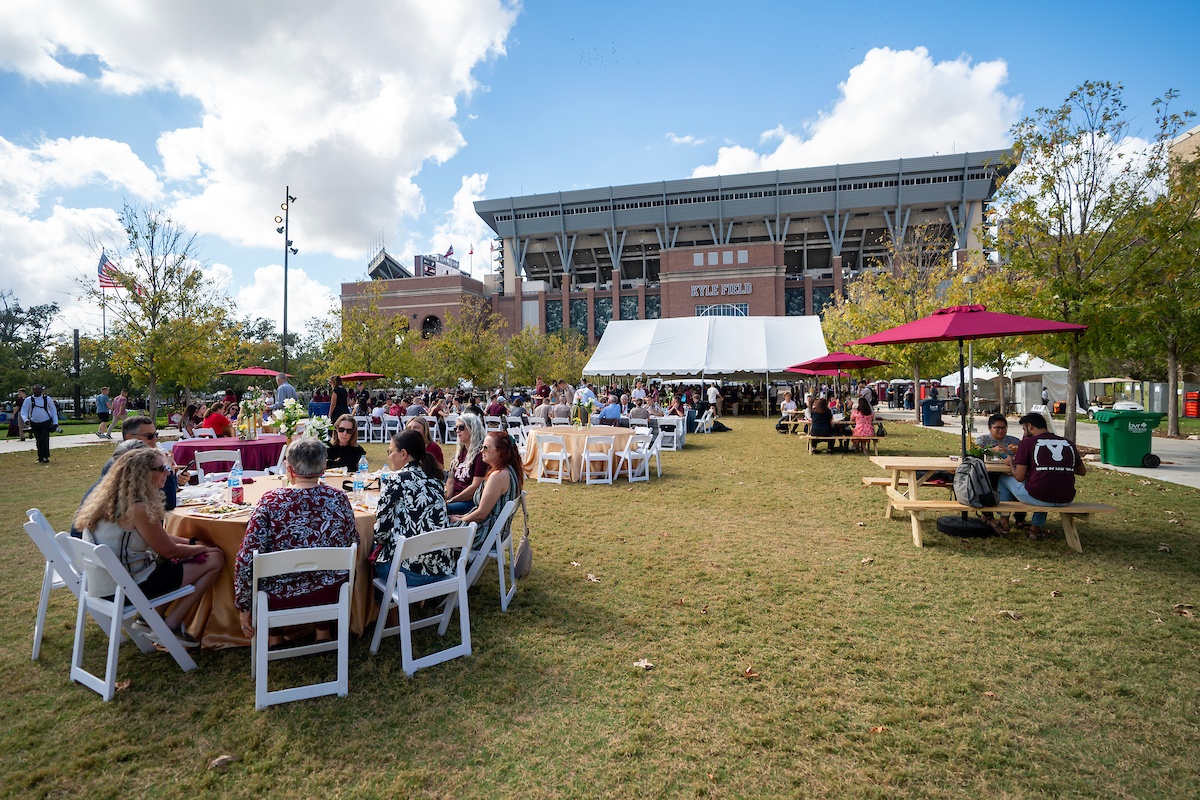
(103, 313)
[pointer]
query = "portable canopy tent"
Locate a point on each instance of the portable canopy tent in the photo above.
(1028, 370)
(733, 348)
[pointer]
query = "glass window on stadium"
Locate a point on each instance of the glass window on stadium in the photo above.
(793, 301)
(603, 314)
(629, 308)
(579, 315)
(822, 296)
(553, 316)
(653, 306)
(724, 310)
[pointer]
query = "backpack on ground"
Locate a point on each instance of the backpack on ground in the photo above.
(971, 484)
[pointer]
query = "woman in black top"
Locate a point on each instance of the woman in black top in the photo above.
(344, 449)
(341, 402)
(822, 422)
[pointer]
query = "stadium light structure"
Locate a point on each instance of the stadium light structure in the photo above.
(287, 247)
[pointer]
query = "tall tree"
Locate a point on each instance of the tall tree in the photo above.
(1073, 207)
(570, 353)
(166, 314)
(468, 348)
(363, 338)
(25, 343)
(531, 354)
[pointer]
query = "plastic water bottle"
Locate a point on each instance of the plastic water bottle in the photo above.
(360, 479)
(234, 482)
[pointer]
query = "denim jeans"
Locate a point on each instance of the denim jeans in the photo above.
(461, 507)
(381, 572)
(1012, 489)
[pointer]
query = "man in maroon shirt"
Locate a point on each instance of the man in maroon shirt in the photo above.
(1043, 471)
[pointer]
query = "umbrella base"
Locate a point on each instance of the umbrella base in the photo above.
(964, 527)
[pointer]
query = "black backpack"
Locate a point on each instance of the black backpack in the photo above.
(971, 484)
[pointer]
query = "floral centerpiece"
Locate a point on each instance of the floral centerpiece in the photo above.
(288, 418)
(250, 412)
(581, 412)
(319, 428)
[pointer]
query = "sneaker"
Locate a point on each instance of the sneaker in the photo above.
(184, 638)
(99, 435)
(108, 436)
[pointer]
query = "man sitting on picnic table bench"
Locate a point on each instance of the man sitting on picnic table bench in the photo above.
(1043, 472)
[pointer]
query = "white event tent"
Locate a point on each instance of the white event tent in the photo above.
(1029, 374)
(733, 348)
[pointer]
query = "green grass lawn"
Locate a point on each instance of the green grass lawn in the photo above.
(876, 669)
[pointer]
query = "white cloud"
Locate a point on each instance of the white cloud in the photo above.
(307, 298)
(461, 228)
(895, 104)
(28, 173)
(687, 139)
(342, 101)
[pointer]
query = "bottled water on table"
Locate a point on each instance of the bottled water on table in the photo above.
(234, 482)
(360, 479)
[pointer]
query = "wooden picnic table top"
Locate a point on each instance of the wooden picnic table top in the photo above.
(931, 463)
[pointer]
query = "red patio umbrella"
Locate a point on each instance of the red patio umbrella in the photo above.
(832, 364)
(362, 376)
(960, 323)
(254, 372)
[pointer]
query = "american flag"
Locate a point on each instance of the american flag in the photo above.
(449, 252)
(107, 271)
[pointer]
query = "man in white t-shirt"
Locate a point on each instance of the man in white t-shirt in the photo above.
(639, 392)
(714, 399)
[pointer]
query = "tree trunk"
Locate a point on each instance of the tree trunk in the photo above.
(917, 393)
(1072, 392)
(1172, 388)
(152, 397)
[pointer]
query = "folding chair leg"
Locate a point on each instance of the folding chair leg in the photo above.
(43, 604)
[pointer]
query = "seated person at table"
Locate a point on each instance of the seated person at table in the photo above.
(467, 469)
(126, 513)
(639, 410)
(188, 422)
(345, 450)
(438, 468)
(863, 418)
(301, 515)
(1043, 472)
(542, 412)
(362, 405)
(788, 405)
(377, 412)
(822, 423)
(416, 408)
(997, 439)
(675, 408)
(611, 413)
(518, 410)
(411, 502)
(218, 422)
(656, 410)
(561, 408)
(497, 408)
(395, 409)
(504, 480)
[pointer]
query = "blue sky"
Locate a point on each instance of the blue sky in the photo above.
(389, 118)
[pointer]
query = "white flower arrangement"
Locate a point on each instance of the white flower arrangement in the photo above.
(288, 418)
(318, 428)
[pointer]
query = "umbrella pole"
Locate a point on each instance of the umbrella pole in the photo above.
(963, 416)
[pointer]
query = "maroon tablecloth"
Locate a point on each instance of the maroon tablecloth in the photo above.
(259, 454)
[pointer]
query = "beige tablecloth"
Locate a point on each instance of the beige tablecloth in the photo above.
(573, 439)
(215, 622)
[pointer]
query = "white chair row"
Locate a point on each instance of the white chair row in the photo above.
(600, 463)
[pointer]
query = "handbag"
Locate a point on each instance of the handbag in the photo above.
(880, 430)
(523, 560)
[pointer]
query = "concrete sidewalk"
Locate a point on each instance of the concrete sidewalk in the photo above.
(1180, 457)
(15, 445)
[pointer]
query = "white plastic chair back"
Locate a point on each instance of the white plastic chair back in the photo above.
(497, 546)
(635, 458)
(451, 421)
(228, 457)
(59, 572)
(204, 433)
(552, 449)
(655, 452)
(670, 432)
(560, 421)
(286, 562)
(493, 423)
(396, 592)
(112, 615)
(598, 452)
(363, 424)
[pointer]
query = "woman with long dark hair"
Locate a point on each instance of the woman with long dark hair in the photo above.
(411, 502)
(344, 449)
(340, 398)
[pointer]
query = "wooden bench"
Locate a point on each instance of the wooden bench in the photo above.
(1072, 513)
(884, 481)
(871, 441)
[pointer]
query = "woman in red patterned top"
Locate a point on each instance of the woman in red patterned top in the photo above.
(302, 515)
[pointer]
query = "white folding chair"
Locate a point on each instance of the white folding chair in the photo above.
(496, 546)
(397, 593)
(286, 562)
(635, 458)
(669, 434)
(128, 602)
(433, 426)
(375, 429)
(391, 426)
(602, 457)
(493, 423)
(556, 456)
(560, 421)
(705, 423)
(203, 457)
(59, 572)
(204, 433)
(280, 467)
(364, 428)
(451, 421)
(655, 452)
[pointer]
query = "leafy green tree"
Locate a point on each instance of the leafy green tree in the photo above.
(468, 348)
(26, 344)
(1073, 209)
(570, 353)
(531, 355)
(166, 315)
(363, 338)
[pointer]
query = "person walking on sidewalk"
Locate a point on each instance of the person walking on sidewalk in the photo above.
(41, 416)
(103, 411)
(120, 408)
(21, 426)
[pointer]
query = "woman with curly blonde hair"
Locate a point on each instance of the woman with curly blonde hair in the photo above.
(126, 512)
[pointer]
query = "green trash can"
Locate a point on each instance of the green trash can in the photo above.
(1125, 437)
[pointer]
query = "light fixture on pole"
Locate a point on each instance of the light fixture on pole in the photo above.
(287, 247)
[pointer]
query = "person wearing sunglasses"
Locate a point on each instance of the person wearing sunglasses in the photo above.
(504, 480)
(411, 502)
(126, 513)
(344, 449)
(467, 468)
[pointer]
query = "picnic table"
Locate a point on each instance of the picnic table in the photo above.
(910, 473)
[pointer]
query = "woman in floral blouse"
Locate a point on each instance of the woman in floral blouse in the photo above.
(410, 503)
(304, 514)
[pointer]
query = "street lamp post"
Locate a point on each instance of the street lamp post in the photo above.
(287, 247)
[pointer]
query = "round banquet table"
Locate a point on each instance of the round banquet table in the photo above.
(215, 621)
(574, 439)
(257, 454)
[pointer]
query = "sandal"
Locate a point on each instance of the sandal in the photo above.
(999, 526)
(1036, 534)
